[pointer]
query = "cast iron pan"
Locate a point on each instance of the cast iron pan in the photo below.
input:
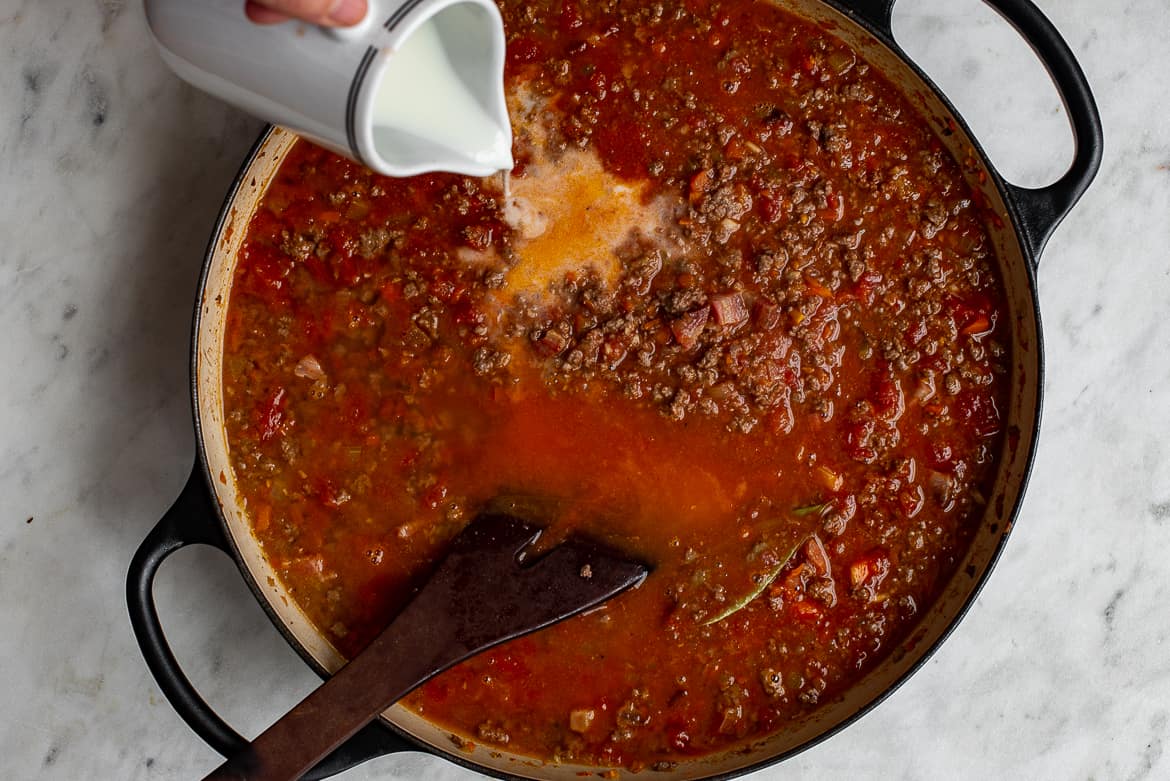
(195, 517)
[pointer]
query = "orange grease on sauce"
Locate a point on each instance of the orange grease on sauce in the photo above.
(569, 214)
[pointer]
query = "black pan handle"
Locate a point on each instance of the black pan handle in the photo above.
(192, 520)
(1039, 210)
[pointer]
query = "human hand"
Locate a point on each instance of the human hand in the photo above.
(329, 13)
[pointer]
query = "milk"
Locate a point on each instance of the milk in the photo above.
(422, 95)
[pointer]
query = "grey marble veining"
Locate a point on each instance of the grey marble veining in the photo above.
(111, 174)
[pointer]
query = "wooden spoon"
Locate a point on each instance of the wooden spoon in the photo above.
(483, 593)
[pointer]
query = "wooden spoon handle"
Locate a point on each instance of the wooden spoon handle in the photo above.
(480, 596)
(396, 663)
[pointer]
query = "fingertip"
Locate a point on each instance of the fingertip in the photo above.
(348, 12)
(259, 14)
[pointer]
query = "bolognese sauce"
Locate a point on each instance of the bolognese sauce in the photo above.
(736, 313)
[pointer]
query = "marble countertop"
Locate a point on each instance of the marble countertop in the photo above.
(112, 174)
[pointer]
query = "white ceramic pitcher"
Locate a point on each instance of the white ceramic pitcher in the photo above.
(376, 92)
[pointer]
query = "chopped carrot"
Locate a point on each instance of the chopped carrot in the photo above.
(699, 184)
(734, 150)
(261, 517)
(829, 479)
(816, 286)
(980, 326)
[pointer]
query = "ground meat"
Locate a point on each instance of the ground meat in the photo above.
(486, 361)
(299, 246)
(373, 241)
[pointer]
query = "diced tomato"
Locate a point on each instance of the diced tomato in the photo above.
(911, 501)
(598, 85)
(973, 316)
(886, 395)
(270, 414)
(264, 270)
(815, 553)
(524, 50)
(570, 18)
(942, 455)
(857, 435)
(835, 209)
(627, 150)
(328, 493)
(866, 289)
(980, 412)
(809, 64)
(771, 207)
(916, 332)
